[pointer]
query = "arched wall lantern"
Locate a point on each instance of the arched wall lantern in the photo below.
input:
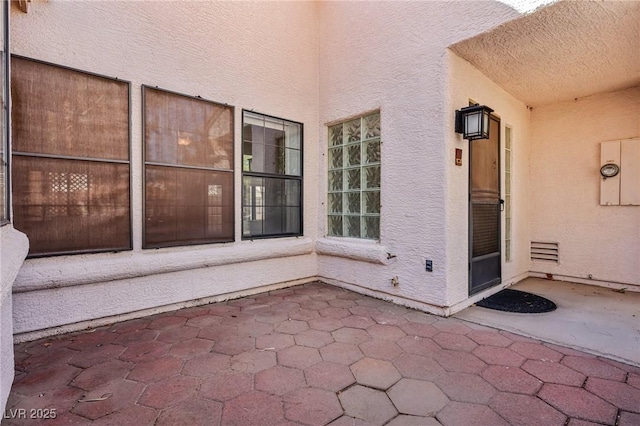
(473, 122)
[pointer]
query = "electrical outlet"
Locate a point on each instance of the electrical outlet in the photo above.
(429, 265)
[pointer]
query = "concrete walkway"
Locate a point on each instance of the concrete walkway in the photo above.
(314, 355)
(594, 319)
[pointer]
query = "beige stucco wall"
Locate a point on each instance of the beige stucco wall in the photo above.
(601, 241)
(253, 55)
(467, 83)
(392, 56)
(13, 249)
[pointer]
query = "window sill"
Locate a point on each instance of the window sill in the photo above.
(352, 248)
(46, 273)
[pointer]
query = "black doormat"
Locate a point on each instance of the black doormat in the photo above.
(518, 301)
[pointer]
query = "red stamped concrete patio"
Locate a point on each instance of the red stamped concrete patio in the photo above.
(314, 355)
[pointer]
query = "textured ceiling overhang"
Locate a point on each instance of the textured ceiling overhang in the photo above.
(567, 50)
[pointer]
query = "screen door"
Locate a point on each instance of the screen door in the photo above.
(484, 210)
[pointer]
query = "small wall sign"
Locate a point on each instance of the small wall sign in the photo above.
(458, 157)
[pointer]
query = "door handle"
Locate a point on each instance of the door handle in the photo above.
(501, 205)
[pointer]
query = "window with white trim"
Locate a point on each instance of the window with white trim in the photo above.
(507, 193)
(354, 173)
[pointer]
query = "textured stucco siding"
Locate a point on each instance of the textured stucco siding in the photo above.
(567, 50)
(139, 294)
(258, 55)
(601, 241)
(466, 84)
(392, 56)
(13, 249)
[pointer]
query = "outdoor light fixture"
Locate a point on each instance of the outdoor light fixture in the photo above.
(473, 122)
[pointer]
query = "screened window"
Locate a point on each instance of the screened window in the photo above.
(271, 176)
(70, 160)
(188, 170)
(354, 178)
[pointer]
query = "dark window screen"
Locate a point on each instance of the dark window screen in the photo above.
(59, 111)
(185, 131)
(185, 206)
(71, 184)
(71, 205)
(188, 170)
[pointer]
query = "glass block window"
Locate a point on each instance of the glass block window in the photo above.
(354, 178)
(70, 159)
(188, 170)
(507, 194)
(271, 177)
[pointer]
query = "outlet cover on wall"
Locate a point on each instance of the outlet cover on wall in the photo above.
(429, 265)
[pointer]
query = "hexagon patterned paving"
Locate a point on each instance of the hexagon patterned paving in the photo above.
(314, 355)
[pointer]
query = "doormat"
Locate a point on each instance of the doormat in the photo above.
(518, 301)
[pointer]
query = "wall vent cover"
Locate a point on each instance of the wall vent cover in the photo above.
(544, 251)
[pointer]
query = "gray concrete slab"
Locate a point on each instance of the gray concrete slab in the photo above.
(594, 319)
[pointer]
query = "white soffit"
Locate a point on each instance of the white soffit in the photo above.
(567, 50)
